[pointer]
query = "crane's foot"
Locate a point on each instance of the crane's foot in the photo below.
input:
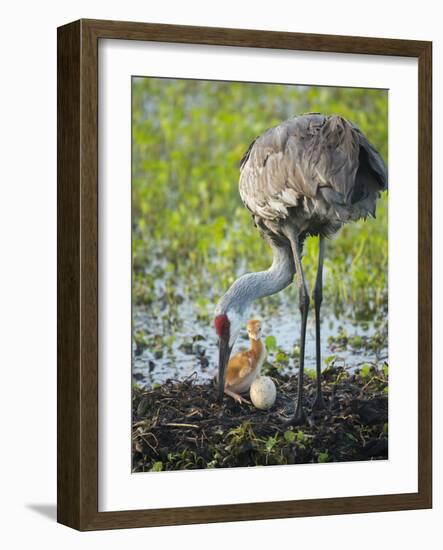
(319, 403)
(241, 399)
(299, 418)
(236, 397)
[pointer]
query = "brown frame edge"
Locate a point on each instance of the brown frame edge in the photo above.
(77, 274)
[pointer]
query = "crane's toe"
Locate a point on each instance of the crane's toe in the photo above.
(299, 419)
(319, 403)
(236, 397)
(241, 399)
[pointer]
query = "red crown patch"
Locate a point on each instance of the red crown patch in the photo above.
(221, 323)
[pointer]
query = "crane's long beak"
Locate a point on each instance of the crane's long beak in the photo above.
(223, 358)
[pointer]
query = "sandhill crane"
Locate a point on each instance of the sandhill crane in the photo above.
(245, 366)
(305, 177)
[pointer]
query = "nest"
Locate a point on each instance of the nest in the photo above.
(180, 425)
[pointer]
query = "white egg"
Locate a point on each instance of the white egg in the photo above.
(263, 392)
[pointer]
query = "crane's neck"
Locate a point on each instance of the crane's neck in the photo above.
(258, 350)
(238, 299)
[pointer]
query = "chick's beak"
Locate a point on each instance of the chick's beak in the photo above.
(224, 350)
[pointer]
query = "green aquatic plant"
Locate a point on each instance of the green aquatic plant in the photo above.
(190, 228)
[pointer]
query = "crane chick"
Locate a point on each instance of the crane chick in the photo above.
(244, 367)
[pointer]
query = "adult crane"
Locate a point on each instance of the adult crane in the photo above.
(305, 177)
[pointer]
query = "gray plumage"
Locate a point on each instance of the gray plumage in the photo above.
(314, 172)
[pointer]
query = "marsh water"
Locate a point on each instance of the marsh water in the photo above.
(193, 348)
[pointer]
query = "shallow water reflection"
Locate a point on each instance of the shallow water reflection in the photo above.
(193, 348)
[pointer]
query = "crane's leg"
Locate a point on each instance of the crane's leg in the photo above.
(319, 402)
(303, 294)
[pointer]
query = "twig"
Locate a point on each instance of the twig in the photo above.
(178, 425)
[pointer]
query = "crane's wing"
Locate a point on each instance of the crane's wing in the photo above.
(304, 156)
(239, 367)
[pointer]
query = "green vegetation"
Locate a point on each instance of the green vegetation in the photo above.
(191, 232)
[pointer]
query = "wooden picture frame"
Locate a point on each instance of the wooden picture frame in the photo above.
(78, 274)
